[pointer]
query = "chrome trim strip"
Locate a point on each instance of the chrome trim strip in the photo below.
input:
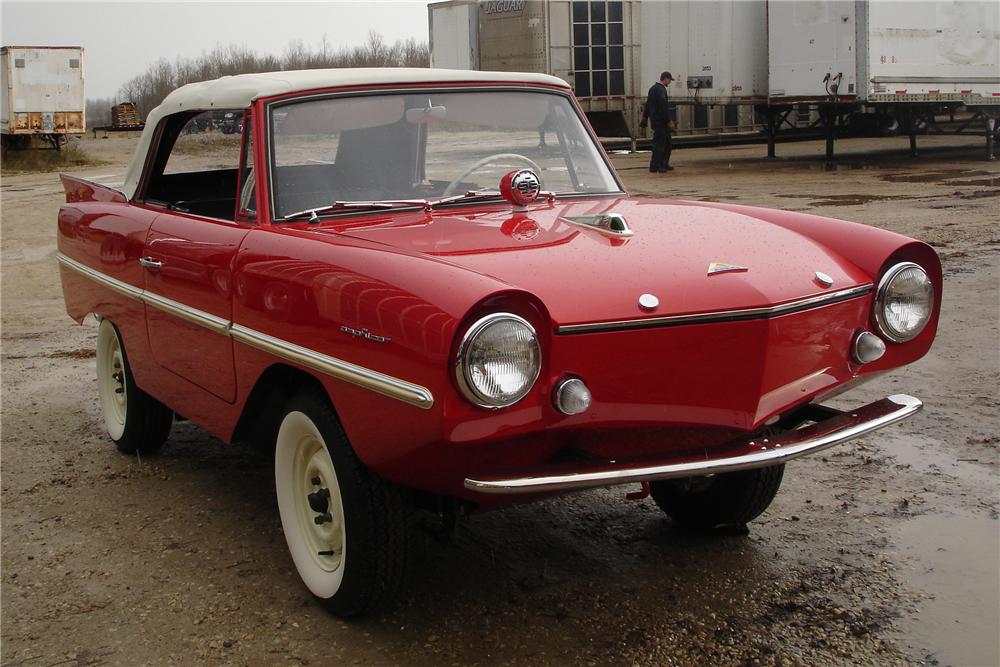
(342, 370)
(211, 322)
(357, 375)
(113, 284)
(785, 447)
(722, 315)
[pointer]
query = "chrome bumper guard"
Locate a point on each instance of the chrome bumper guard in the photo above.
(840, 427)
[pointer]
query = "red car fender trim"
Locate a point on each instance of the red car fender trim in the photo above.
(366, 378)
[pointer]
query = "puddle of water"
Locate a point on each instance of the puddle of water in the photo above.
(956, 560)
(934, 176)
(982, 181)
(844, 200)
(953, 558)
(845, 166)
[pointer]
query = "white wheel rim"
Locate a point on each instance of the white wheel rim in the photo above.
(111, 381)
(304, 475)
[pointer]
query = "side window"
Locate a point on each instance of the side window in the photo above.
(196, 165)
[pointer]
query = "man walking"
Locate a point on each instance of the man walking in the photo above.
(656, 112)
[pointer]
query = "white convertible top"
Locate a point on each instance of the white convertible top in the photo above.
(238, 92)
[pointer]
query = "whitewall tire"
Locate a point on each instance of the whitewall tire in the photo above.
(309, 501)
(347, 529)
(136, 421)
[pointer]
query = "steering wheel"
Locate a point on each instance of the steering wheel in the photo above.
(486, 160)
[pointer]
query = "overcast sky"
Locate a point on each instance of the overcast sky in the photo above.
(122, 38)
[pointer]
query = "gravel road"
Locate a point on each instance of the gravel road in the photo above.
(881, 551)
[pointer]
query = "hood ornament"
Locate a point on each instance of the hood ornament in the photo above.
(722, 267)
(612, 224)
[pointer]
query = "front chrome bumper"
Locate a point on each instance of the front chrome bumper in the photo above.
(756, 452)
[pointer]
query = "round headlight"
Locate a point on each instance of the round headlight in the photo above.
(498, 360)
(904, 302)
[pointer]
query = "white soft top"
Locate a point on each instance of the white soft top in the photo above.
(238, 92)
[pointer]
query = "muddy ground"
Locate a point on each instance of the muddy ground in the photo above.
(881, 551)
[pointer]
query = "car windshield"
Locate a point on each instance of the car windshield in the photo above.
(427, 145)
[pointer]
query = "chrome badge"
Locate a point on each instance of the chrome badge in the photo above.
(648, 302)
(364, 333)
(722, 267)
(823, 279)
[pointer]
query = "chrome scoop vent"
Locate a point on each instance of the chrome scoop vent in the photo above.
(612, 224)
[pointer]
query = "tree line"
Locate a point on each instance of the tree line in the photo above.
(148, 89)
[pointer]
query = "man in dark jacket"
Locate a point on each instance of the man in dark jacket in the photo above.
(656, 112)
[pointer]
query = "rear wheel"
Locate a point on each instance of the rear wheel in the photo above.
(136, 421)
(728, 499)
(346, 528)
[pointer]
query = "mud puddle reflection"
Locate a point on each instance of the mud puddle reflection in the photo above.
(951, 555)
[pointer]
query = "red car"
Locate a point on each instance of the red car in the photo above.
(428, 289)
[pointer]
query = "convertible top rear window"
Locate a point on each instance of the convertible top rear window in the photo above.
(426, 145)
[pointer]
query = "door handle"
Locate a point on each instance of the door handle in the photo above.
(151, 264)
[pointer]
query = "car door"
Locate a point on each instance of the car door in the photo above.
(189, 256)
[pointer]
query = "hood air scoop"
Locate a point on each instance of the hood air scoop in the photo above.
(612, 224)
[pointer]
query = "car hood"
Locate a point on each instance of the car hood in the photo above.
(584, 275)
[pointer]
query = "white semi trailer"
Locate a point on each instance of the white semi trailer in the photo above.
(903, 61)
(42, 93)
(744, 65)
(611, 51)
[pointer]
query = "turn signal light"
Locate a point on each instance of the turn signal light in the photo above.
(867, 347)
(571, 397)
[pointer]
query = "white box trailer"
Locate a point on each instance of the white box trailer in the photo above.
(884, 51)
(611, 52)
(593, 46)
(454, 34)
(716, 51)
(42, 91)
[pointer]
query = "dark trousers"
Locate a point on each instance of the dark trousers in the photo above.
(661, 147)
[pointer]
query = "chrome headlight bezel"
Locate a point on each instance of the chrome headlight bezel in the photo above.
(466, 383)
(885, 330)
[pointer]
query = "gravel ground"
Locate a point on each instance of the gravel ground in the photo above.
(881, 551)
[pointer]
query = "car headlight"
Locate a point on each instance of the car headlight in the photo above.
(904, 302)
(498, 360)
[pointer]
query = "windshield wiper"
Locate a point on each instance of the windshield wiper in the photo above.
(313, 213)
(427, 204)
(474, 195)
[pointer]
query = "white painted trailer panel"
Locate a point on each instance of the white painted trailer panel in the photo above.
(885, 50)
(42, 90)
(716, 50)
(454, 34)
(933, 49)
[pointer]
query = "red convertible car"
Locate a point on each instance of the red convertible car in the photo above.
(429, 289)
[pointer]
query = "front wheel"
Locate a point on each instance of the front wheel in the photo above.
(728, 499)
(136, 422)
(346, 528)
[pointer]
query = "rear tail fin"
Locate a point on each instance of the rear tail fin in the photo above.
(78, 190)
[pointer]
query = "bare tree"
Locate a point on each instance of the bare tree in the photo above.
(148, 89)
